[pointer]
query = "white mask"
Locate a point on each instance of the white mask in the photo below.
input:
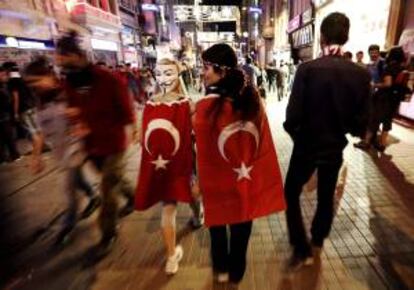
(167, 76)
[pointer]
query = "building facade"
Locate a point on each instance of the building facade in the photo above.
(130, 33)
(28, 30)
(301, 29)
(102, 19)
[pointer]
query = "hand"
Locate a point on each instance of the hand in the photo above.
(72, 113)
(136, 136)
(37, 165)
(80, 130)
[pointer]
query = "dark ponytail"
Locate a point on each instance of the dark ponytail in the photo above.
(245, 98)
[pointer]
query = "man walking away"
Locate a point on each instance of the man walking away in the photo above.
(271, 77)
(249, 71)
(328, 101)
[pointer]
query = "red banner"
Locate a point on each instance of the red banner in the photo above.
(167, 160)
(238, 168)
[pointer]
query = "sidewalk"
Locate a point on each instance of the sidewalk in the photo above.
(371, 244)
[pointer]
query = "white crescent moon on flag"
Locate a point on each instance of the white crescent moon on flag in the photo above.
(235, 127)
(164, 125)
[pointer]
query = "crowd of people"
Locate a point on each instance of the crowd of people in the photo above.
(216, 154)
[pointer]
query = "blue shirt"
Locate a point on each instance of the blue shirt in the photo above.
(375, 70)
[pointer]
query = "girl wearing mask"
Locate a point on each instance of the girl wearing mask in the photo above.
(167, 159)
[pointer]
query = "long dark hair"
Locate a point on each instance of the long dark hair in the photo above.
(245, 98)
(396, 55)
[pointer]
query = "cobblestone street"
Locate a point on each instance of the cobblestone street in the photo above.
(371, 245)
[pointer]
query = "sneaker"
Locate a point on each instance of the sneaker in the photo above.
(106, 244)
(94, 203)
(196, 222)
(222, 277)
(296, 262)
(379, 147)
(171, 267)
(362, 145)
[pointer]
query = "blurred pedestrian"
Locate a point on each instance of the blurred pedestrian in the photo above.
(389, 93)
(280, 82)
(67, 145)
(132, 83)
(328, 100)
(249, 71)
(23, 102)
(239, 175)
(8, 149)
(360, 59)
(271, 77)
(376, 68)
(107, 111)
(348, 56)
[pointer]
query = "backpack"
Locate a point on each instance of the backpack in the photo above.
(400, 88)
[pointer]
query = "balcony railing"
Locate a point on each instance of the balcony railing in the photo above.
(87, 14)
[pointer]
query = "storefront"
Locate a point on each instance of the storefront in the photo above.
(105, 28)
(369, 22)
(105, 51)
(25, 33)
(128, 40)
(407, 42)
(129, 34)
(301, 35)
(23, 50)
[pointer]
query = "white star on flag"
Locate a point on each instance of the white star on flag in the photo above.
(243, 172)
(160, 163)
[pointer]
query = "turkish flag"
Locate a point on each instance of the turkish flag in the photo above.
(166, 164)
(237, 164)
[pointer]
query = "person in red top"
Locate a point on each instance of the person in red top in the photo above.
(107, 110)
(238, 170)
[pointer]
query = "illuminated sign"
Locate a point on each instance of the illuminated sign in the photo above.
(12, 42)
(101, 44)
(9, 41)
(187, 13)
(215, 37)
(293, 24)
(257, 10)
(303, 36)
(150, 7)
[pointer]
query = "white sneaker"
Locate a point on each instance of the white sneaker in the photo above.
(222, 277)
(171, 267)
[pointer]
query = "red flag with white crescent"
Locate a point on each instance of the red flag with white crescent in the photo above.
(166, 164)
(238, 169)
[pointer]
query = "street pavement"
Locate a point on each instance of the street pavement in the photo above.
(371, 245)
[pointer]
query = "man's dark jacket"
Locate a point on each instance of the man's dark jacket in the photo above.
(329, 99)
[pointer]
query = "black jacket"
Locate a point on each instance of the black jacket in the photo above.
(329, 99)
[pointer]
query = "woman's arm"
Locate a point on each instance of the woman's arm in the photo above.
(387, 82)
